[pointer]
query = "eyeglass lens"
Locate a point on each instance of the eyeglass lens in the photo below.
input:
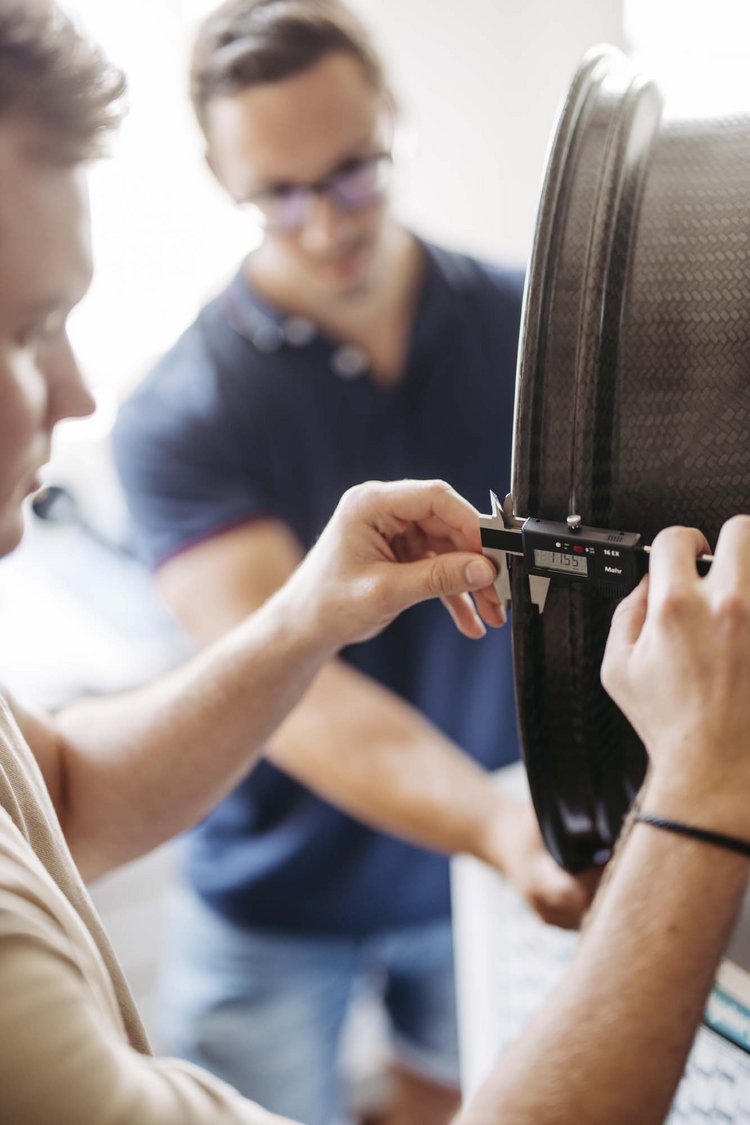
(358, 185)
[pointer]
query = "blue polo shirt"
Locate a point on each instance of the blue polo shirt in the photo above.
(253, 415)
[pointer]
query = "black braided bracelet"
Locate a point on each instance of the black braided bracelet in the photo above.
(705, 835)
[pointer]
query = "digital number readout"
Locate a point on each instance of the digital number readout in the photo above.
(566, 564)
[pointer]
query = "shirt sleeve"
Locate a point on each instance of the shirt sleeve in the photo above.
(192, 458)
(62, 1058)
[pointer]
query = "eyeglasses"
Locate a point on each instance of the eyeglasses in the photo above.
(352, 187)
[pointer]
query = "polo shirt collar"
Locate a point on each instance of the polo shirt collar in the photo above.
(269, 329)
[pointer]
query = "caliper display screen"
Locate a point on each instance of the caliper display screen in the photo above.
(564, 563)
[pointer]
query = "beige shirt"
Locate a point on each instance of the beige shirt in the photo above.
(73, 1050)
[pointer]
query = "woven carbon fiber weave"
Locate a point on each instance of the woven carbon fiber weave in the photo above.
(633, 402)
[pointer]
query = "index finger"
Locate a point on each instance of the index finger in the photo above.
(672, 561)
(433, 504)
(627, 622)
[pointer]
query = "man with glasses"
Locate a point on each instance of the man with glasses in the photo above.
(345, 349)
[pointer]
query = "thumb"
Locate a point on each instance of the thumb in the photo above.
(443, 576)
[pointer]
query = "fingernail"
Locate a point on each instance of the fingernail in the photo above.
(479, 573)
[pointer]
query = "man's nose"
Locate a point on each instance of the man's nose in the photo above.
(69, 397)
(324, 226)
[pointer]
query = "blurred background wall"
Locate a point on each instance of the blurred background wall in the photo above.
(480, 82)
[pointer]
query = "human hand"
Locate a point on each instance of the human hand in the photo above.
(678, 665)
(389, 546)
(517, 849)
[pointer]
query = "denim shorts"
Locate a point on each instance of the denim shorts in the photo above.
(264, 1010)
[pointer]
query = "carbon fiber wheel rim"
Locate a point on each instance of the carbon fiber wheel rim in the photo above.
(632, 406)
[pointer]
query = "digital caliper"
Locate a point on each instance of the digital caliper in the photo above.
(613, 562)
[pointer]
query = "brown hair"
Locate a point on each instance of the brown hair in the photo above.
(56, 79)
(248, 42)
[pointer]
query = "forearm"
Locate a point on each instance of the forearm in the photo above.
(354, 742)
(145, 766)
(611, 1043)
(363, 748)
(140, 768)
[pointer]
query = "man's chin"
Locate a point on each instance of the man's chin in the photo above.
(346, 276)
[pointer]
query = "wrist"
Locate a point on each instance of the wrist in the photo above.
(301, 611)
(500, 833)
(293, 623)
(737, 845)
(705, 798)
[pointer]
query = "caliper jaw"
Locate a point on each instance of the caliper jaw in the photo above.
(502, 535)
(538, 590)
(495, 522)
